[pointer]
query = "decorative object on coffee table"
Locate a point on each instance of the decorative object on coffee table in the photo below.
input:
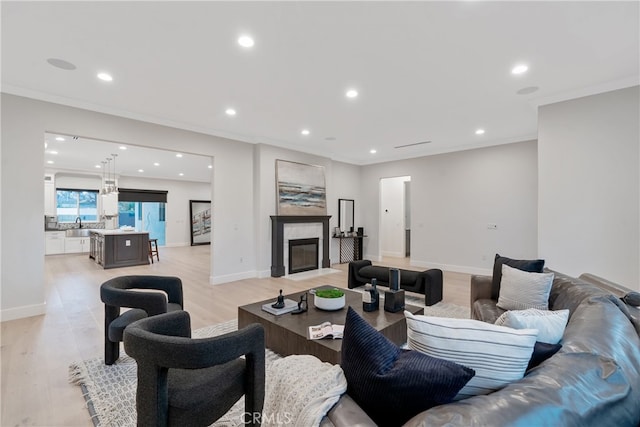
(394, 301)
(371, 297)
(329, 299)
(280, 302)
(302, 305)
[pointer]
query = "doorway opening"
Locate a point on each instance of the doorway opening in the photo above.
(395, 217)
(145, 216)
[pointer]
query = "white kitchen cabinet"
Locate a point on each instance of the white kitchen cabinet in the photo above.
(110, 204)
(76, 245)
(54, 242)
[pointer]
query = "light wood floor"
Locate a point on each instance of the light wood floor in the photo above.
(37, 351)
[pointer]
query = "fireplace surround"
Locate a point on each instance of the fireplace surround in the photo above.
(277, 239)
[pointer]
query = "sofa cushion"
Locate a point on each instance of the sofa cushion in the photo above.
(486, 310)
(532, 266)
(390, 384)
(520, 290)
(499, 355)
(550, 324)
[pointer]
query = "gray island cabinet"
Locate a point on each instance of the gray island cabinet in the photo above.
(117, 248)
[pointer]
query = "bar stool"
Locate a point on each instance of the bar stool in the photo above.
(153, 249)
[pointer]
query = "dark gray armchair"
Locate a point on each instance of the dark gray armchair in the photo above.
(128, 292)
(194, 382)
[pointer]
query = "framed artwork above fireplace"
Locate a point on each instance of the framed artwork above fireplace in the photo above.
(300, 189)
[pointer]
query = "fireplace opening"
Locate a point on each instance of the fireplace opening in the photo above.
(303, 255)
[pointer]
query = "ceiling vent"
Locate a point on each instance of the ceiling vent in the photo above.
(413, 145)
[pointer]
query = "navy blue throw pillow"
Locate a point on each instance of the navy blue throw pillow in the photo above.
(390, 384)
(541, 352)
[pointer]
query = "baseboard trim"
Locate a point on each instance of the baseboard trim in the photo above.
(22, 312)
(218, 280)
(176, 245)
(452, 268)
(263, 274)
(372, 257)
(393, 254)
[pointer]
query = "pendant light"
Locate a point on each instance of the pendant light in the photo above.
(115, 189)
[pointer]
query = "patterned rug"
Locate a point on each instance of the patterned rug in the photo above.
(110, 391)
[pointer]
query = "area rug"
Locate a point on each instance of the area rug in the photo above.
(110, 391)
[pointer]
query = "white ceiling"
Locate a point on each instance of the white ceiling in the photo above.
(432, 71)
(84, 154)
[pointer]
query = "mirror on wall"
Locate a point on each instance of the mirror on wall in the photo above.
(345, 215)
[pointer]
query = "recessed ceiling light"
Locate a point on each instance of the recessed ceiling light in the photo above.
(179, 155)
(140, 170)
(50, 162)
(210, 166)
(46, 144)
(53, 152)
(230, 112)
(156, 164)
(305, 132)
(352, 93)
(61, 63)
(479, 131)
(59, 138)
(105, 77)
(181, 174)
(519, 69)
(98, 166)
(246, 41)
(122, 147)
(373, 151)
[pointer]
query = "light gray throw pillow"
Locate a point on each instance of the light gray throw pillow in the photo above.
(550, 324)
(520, 290)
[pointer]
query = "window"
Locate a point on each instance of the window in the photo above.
(71, 203)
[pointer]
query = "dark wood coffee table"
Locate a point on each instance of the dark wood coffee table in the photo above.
(287, 334)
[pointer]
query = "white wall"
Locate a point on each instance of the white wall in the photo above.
(24, 122)
(342, 181)
(177, 225)
(454, 197)
(392, 216)
(589, 157)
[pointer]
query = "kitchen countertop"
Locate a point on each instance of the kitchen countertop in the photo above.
(116, 231)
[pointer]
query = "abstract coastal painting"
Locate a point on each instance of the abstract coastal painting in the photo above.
(300, 189)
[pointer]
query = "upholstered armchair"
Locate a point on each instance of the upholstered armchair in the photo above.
(144, 295)
(194, 382)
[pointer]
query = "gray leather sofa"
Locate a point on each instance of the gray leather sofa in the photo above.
(594, 380)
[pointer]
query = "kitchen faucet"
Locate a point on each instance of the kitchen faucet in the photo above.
(79, 219)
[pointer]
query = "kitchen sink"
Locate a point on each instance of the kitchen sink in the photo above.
(77, 232)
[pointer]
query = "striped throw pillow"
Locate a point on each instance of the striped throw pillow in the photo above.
(499, 355)
(520, 290)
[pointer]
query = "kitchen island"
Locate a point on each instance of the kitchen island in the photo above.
(118, 248)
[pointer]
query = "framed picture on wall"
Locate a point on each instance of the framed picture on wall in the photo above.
(300, 189)
(200, 213)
